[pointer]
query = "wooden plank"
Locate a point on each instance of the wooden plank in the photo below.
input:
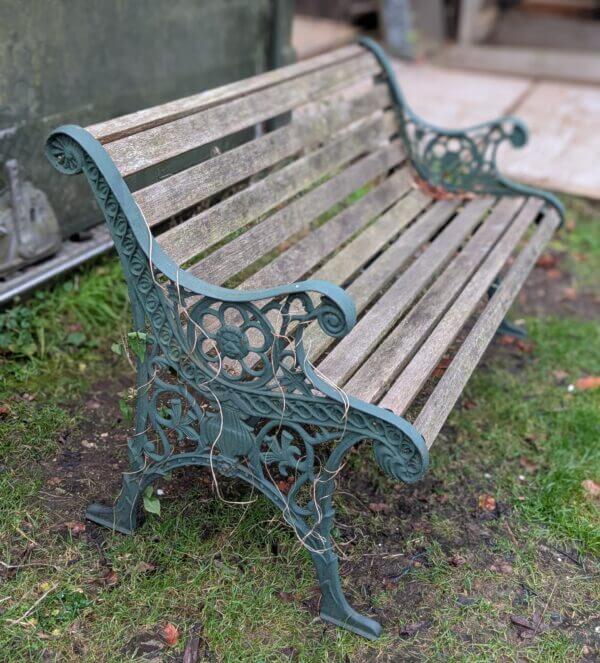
(242, 251)
(211, 226)
(367, 244)
(150, 147)
(292, 264)
(351, 351)
(383, 366)
(382, 270)
(173, 194)
(446, 393)
(401, 394)
(345, 263)
(126, 125)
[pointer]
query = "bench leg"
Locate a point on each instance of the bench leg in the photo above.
(506, 326)
(123, 516)
(334, 606)
(314, 530)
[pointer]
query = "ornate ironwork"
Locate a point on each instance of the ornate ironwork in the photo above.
(225, 383)
(458, 160)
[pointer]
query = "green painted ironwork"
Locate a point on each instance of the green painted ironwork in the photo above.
(458, 160)
(210, 394)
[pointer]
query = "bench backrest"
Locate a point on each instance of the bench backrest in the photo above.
(254, 163)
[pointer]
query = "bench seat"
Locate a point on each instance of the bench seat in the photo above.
(311, 267)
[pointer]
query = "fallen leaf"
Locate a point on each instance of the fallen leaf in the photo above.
(442, 367)
(588, 382)
(560, 376)
(170, 634)
(191, 653)
(530, 626)
(570, 224)
(465, 600)
(75, 527)
(378, 507)
(469, 404)
(528, 465)
(554, 274)
(507, 339)
(502, 567)
(196, 648)
(524, 346)
(284, 486)
(110, 578)
(486, 502)
(4, 410)
(412, 629)
(144, 646)
(457, 560)
(286, 597)
(570, 294)
(145, 567)
(547, 261)
(591, 488)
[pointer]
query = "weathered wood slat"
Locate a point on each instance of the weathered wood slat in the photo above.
(148, 118)
(242, 251)
(382, 271)
(403, 391)
(173, 194)
(352, 350)
(382, 367)
(292, 264)
(437, 408)
(342, 266)
(362, 249)
(150, 147)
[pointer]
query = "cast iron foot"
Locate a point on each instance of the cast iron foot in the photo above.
(334, 607)
(108, 516)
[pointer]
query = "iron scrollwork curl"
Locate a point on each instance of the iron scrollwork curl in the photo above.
(460, 161)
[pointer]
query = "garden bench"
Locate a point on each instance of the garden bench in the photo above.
(221, 203)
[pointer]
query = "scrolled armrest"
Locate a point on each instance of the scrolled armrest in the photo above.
(461, 161)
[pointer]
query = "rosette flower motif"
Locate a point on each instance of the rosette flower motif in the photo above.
(235, 339)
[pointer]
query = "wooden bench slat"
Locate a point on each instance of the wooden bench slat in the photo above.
(403, 391)
(367, 244)
(206, 229)
(342, 266)
(292, 264)
(381, 271)
(352, 350)
(173, 194)
(126, 125)
(242, 251)
(152, 146)
(382, 367)
(437, 408)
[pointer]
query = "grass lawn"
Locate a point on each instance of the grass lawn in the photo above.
(492, 557)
